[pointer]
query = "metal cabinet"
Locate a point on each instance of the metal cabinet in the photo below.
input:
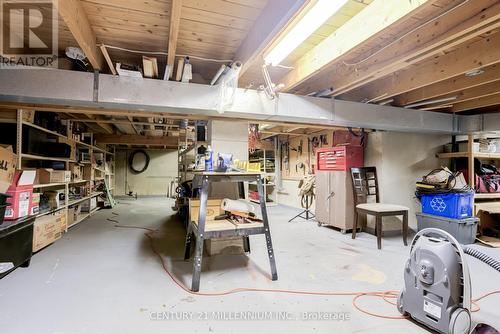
(335, 200)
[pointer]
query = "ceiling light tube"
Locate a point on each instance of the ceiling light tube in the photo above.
(320, 12)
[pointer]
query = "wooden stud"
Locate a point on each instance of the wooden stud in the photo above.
(470, 149)
(108, 59)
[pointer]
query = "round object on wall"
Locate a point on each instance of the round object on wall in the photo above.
(138, 161)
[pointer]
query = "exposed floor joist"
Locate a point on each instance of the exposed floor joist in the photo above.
(477, 103)
(175, 17)
(357, 30)
(136, 140)
(483, 52)
(431, 40)
(450, 86)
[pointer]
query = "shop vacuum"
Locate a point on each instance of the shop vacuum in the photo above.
(437, 289)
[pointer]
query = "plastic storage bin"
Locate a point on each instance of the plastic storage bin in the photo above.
(450, 205)
(3, 206)
(464, 230)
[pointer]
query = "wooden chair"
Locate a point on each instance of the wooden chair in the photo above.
(365, 184)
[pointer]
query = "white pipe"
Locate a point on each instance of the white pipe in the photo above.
(218, 74)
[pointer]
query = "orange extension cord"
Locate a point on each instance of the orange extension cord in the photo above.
(385, 295)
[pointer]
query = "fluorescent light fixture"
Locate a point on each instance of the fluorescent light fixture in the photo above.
(320, 12)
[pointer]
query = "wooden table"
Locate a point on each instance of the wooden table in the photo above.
(201, 232)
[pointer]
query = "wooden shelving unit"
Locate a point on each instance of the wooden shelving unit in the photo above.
(188, 149)
(23, 157)
(266, 157)
(480, 199)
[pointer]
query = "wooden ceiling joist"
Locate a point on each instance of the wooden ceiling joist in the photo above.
(488, 89)
(136, 140)
(273, 20)
(131, 120)
(76, 19)
(476, 103)
(450, 86)
(357, 30)
(103, 125)
(478, 54)
(108, 59)
(175, 18)
(432, 39)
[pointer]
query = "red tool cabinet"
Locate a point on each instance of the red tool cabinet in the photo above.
(339, 158)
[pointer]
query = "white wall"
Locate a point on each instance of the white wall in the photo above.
(289, 195)
(228, 137)
(401, 160)
(154, 181)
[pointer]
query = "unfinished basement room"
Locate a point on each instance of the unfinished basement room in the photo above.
(249, 166)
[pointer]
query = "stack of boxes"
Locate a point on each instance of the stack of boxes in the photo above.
(451, 212)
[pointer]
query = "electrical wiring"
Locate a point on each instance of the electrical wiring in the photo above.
(403, 36)
(384, 295)
(450, 186)
(161, 53)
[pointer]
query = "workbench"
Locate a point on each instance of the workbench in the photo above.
(221, 229)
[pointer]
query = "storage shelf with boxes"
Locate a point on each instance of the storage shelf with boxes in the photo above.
(51, 183)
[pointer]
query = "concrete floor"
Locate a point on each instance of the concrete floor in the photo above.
(104, 279)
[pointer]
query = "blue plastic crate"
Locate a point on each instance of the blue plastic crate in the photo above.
(451, 205)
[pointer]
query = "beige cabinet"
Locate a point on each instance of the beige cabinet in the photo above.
(334, 200)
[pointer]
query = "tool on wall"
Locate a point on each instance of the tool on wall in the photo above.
(323, 140)
(300, 165)
(253, 137)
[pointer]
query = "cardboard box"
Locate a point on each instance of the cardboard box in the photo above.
(21, 191)
(227, 246)
(29, 116)
(88, 172)
(71, 216)
(47, 229)
(76, 172)
(55, 198)
(35, 203)
(89, 205)
(48, 175)
(7, 167)
(213, 209)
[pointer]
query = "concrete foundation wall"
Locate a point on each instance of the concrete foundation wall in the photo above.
(154, 181)
(289, 195)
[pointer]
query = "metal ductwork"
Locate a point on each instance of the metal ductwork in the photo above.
(48, 87)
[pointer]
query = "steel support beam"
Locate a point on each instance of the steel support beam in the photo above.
(42, 87)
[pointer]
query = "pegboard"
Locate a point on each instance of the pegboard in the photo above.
(301, 162)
